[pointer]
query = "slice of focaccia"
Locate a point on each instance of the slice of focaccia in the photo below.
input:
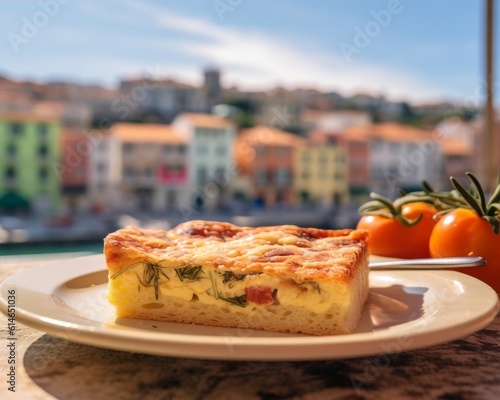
(278, 278)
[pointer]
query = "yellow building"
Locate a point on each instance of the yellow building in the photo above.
(322, 173)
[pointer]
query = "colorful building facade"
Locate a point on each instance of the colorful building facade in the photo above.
(322, 173)
(392, 156)
(212, 169)
(267, 157)
(29, 155)
(141, 167)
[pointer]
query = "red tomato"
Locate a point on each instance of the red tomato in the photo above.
(463, 233)
(390, 238)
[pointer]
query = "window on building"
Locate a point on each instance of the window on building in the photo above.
(201, 150)
(220, 151)
(10, 173)
(261, 176)
(43, 151)
(101, 167)
(171, 198)
(201, 133)
(201, 175)
(182, 149)
(43, 174)
(128, 148)
(129, 172)
(16, 129)
(323, 158)
(11, 150)
(283, 177)
(222, 176)
(148, 172)
(43, 130)
(221, 134)
(214, 134)
(340, 157)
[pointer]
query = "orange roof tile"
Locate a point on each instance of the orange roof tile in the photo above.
(152, 133)
(206, 120)
(386, 131)
(456, 147)
(269, 136)
(250, 138)
(26, 116)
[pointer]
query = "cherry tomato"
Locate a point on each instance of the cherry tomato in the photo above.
(390, 238)
(463, 233)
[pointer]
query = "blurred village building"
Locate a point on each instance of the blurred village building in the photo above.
(267, 159)
(399, 157)
(162, 167)
(29, 147)
(154, 144)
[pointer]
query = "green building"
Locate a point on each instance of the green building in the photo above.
(29, 149)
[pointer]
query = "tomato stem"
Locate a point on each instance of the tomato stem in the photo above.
(479, 190)
(487, 210)
(471, 201)
(494, 199)
(382, 206)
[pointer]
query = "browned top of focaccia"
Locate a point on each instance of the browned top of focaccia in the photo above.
(301, 254)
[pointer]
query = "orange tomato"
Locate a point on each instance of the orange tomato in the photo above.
(463, 233)
(390, 238)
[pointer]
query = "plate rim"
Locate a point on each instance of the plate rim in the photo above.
(103, 337)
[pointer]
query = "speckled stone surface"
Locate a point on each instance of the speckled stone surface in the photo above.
(49, 367)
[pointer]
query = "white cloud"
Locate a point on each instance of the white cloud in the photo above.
(253, 60)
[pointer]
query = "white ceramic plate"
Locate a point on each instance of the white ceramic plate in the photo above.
(406, 310)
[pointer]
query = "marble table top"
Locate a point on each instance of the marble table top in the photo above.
(49, 367)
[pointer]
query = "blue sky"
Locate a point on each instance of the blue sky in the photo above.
(418, 50)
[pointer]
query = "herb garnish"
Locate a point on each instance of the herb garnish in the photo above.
(240, 301)
(151, 274)
(228, 276)
(189, 273)
(318, 289)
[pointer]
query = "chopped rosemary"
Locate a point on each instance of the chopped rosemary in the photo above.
(230, 276)
(240, 301)
(189, 273)
(213, 280)
(318, 289)
(151, 274)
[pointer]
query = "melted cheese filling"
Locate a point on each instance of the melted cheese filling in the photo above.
(211, 287)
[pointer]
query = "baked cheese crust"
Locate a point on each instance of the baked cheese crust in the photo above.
(280, 278)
